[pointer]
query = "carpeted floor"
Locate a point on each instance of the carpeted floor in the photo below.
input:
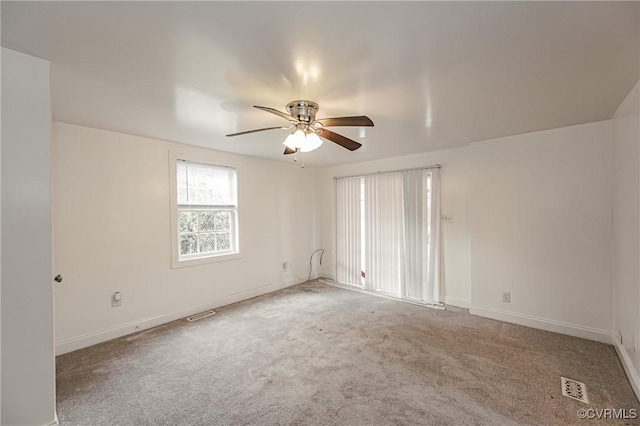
(314, 354)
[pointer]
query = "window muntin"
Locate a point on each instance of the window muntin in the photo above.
(206, 210)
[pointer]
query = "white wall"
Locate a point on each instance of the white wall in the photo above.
(28, 366)
(112, 233)
(540, 221)
(531, 215)
(626, 233)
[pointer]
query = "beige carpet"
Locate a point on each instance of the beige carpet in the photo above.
(314, 354)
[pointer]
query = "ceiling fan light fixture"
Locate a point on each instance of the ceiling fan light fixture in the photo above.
(311, 142)
(295, 140)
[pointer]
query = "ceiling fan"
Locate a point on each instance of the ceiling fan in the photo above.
(308, 131)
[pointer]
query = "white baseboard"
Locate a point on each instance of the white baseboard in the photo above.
(457, 302)
(55, 419)
(328, 275)
(544, 324)
(632, 374)
(79, 342)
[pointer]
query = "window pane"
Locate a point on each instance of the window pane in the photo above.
(188, 244)
(182, 195)
(206, 221)
(207, 243)
(188, 221)
(223, 241)
(225, 186)
(202, 181)
(192, 195)
(204, 196)
(206, 185)
(181, 180)
(223, 221)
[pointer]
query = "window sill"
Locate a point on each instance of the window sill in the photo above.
(175, 263)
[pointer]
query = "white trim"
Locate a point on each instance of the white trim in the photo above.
(386, 296)
(205, 259)
(75, 343)
(457, 302)
(544, 324)
(55, 419)
(327, 276)
(632, 374)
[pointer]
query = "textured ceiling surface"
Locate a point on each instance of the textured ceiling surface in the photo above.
(431, 75)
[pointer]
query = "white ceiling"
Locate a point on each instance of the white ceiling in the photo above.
(430, 75)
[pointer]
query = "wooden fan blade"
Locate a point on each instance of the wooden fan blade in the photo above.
(288, 151)
(278, 113)
(359, 120)
(350, 144)
(257, 130)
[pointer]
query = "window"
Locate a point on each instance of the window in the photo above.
(206, 210)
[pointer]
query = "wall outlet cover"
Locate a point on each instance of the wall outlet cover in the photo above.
(506, 297)
(116, 299)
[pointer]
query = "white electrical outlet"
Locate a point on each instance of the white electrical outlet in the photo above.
(285, 266)
(116, 299)
(506, 297)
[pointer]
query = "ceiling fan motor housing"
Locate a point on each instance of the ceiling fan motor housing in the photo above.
(303, 111)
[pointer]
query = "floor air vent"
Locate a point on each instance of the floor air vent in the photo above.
(574, 389)
(201, 315)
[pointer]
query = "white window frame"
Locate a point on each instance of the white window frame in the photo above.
(178, 261)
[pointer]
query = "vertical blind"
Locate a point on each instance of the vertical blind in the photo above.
(384, 235)
(348, 224)
(388, 233)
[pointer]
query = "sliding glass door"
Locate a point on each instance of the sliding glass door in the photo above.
(387, 233)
